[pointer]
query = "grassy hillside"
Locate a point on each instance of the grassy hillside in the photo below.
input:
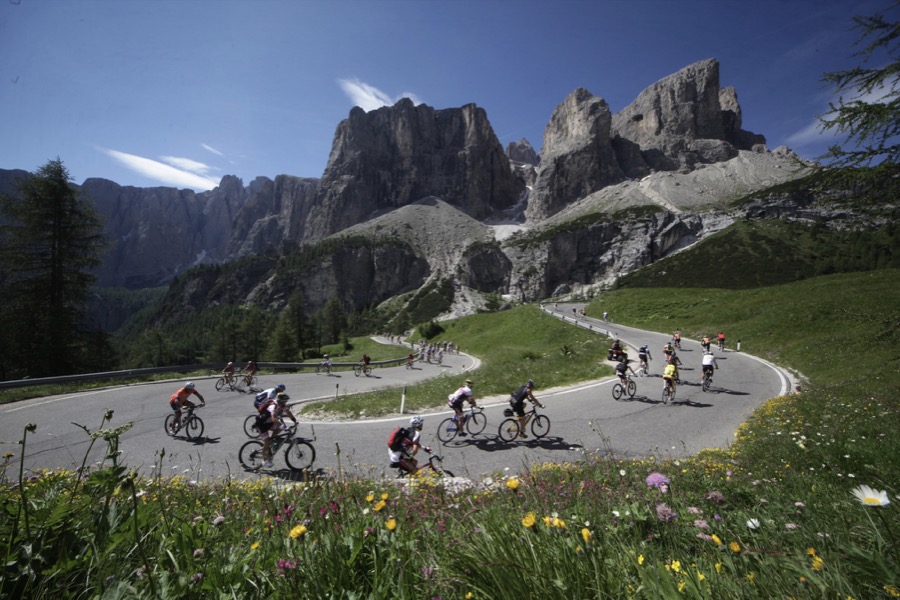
(756, 253)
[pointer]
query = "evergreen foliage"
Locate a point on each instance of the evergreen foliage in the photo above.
(50, 239)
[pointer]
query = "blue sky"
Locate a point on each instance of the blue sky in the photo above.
(182, 92)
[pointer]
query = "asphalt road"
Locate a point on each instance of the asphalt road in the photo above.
(584, 418)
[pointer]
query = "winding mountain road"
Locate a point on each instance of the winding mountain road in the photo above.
(585, 418)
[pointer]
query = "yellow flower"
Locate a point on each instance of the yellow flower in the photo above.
(894, 592)
(700, 576)
(379, 505)
(676, 566)
(254, 545)
(817, 563)
(384, 495)
(512, 484)
(557, 522)
(370, 497)
(391, 524)
(297, 531)
(811, 551)
(579, 550)
(529, 520)
(750, 577)
(716, 539)
(718, 567)
(735, 547)
(469, 595)
(548, 521)
(586, 535)
(681, 585)
(640, 559)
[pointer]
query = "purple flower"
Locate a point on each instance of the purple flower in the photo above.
(693, 510)
(704, 537)
(656, 480)
(664, 513)
(701, 523)
(716, 497)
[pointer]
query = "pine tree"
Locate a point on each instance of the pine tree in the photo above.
(50, 239)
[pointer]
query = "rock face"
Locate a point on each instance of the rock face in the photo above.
(522, 152)
(393, 156)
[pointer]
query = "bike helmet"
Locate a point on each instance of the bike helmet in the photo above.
(529, 383)
(280, 387)
(417, 422)
(468, 382)
(190, 385)
(324, 356)
(282, 398)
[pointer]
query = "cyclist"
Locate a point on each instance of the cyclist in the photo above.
(605, 317)
(410, 359)
(229, 373)
(455, 401)
(709, 361)
(517, 401)
(615, 350)
(668, 351)
(404, 457)
(704, 343)
(266, 395)
(180, 399)
(676, 338)
(645, 358)
(271, 414)
(621, 368)
(366, 360)
(673, 360)
(669, 375)
(250, 370)
(721, 338)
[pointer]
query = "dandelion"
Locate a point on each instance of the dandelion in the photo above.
(735, 547)
(640, 559)
(586, 535)
(817, 563)
(753, 523)
(391, 524)
(656, 480)
(298, 531)
(871, 497)
(379, 505)
(254, 545)
(370, 497)
(384, 495)
(512, 484)
(529, 520)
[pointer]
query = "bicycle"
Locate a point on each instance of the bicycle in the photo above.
(644, 368)
(676, 342)
(231, 383)
(299, 454)
(191, 423)
(323, 367)
(510, 428)
(619, 390)
(721, 345)
(435, 464)
(474, 422)
(362, 369)
(707, 382)
(668, 393)
(249, 381)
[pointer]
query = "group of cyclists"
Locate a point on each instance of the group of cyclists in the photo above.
(248, 372)
(670, 373)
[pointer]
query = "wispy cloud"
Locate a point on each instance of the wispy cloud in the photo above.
(186, 164)
(211, 149)
(368, 97)
(815, 132)
(184, 175)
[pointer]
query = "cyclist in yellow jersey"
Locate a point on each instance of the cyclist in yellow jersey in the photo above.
(669, 376)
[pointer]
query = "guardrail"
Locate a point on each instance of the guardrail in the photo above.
(217, 367)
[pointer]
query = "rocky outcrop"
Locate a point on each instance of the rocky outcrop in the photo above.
(393, 156)
(522, 152)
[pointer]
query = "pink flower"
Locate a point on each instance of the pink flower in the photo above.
(664, 513)
(656, 480)
(701, 523)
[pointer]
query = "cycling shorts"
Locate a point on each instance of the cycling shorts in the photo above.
(518, 406)
(456, 404)
(175, 406)
(708, 369)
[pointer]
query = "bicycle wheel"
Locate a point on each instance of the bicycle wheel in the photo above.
(250, 427)
(509, 430)
(299, 455)
(251, 455)
(540, 426)
(170, 419)
(476, 423)
(253, 382)
(367, 371)
(617, 391)
(447, 430)
(194, 427)
(632, 388)
(707, 381)
(357, 370)
(220, 383)
(665, 395)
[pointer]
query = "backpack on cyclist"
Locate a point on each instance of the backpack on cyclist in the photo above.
(395, 440)
(260, 398)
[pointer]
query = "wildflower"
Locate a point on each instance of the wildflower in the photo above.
(735, 547)
(586, 535)
(693, 510)
(753, 523)
(379, 505)
(716, 497)
(254, 545)
(718, 567)
(512, 484)
(297, 531)
(799, 504)
(384, 495)
(529, 520)
(622, 472)
(817, 563)
(615, 514)
(198, 553)
(370, 497)
(676, 566)
(656, 480)
(8, 455)
(197, 578)
(791, 526)
(218, 520)
(469, 595)
(664, 513)
(871, 497)
(894, 592)
(704, 537)
(701, 524)
(391, 524)
(681, 585)
(640, 559)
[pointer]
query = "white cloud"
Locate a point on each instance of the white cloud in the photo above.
(369, 97)
(186, 164)
(211, 149)
(162, 172)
